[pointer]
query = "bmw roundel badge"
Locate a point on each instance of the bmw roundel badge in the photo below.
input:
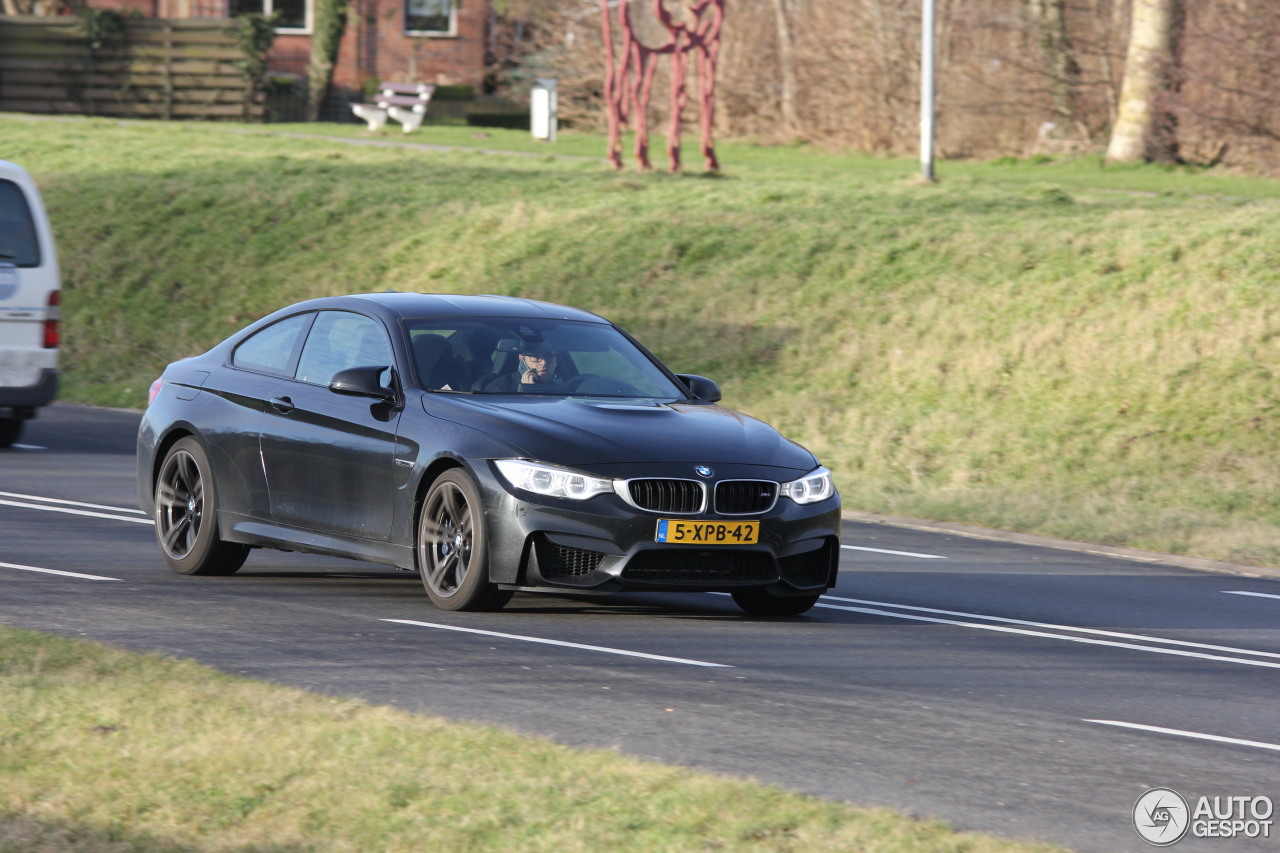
(703, 471)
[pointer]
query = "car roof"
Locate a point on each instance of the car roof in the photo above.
(407, 306)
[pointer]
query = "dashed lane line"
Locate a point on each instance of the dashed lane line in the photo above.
(70, 511)
(1004, 629)
(1257, 744)
(80, 575)
(545, 641)
(1119, 635)
(1253, 594)
(61, 502)
(895, 553)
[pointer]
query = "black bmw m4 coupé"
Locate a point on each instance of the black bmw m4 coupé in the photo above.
(492, 444)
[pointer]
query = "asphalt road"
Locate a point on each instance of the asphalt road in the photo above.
(1026, 692)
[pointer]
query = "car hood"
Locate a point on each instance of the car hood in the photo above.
(578, 431)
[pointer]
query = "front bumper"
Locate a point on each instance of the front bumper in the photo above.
(604, 545)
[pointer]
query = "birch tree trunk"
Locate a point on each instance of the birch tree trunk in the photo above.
(787, 63)
(1144, 129)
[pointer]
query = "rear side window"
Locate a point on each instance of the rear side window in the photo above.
(18, 243)
(275, 348)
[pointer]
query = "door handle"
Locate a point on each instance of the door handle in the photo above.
(283, 405)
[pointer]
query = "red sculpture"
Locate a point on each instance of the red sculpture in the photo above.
(628, 80)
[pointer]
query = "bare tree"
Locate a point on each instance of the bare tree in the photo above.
(1230, 100)
(1050, 17)
(1146, 128)
(844, 73)
(786, 67)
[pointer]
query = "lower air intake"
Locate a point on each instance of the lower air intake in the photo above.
(808, 569)
(701, 567)
(557, 561)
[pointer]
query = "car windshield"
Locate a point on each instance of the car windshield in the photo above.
(494, 355)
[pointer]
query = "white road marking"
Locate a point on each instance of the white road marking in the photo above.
(1179, 732)
(70, 511)
(895, 553)
(56, 572)
(1046, 635)
(27, 447)
(605, 649)
(1098, 631)
(70, 503)
(1254, 594)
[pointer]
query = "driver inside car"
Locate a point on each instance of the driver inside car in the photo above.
(538, 365)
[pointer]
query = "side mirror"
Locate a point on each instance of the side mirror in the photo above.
(362, 382)
(701, 387)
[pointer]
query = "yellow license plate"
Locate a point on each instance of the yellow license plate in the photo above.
(680, 532)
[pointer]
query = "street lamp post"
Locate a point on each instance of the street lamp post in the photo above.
(926, 91)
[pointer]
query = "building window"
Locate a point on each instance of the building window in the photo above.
(291, 14)
(432, 17)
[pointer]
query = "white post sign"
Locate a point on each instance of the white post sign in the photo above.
(542, 108)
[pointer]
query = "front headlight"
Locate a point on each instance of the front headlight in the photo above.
(552, 481)
(811, 488)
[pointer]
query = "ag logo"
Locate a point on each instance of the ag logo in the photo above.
(703, 471)
(8, 280)
(1161, 817)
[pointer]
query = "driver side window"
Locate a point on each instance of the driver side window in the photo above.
(340, 339)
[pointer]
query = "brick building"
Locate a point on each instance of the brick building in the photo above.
(414, 41)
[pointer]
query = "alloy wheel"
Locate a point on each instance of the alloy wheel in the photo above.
(179, 504)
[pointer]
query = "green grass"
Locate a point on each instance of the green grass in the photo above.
(102, 751)
(1054, 347)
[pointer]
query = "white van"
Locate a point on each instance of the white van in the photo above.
(30, 295)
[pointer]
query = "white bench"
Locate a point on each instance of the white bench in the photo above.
(404, 102)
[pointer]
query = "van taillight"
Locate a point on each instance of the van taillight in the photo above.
(52, 337)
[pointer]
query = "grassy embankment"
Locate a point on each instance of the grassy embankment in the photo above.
(102, 751)
(1059, 348)
(1026, 346)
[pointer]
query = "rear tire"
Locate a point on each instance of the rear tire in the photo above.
(759, 602)
(186, 515)
(453, 546)
(10, 429)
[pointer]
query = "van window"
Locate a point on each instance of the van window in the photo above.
(18, 243)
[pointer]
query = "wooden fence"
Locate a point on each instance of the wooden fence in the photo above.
(168, 69)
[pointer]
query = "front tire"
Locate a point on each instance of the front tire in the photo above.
(760, 602)
(453, 547)
(186, 515)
